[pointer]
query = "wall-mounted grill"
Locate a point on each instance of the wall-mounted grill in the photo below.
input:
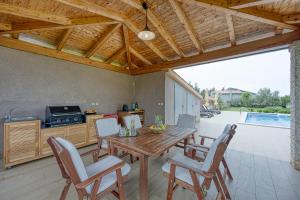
(63, 115)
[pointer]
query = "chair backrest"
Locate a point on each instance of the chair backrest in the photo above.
(72, 161)
(186, 121)
(55, 149)
(217, 149)
(128, 118)
(107, 126)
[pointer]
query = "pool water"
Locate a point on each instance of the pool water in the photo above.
(266, 119)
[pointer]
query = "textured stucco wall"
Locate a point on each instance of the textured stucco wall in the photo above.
(150, 94)
(295, 104)
(29, 82)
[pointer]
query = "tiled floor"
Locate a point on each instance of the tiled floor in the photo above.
(257, 156)
(255, 177)
(258, 140)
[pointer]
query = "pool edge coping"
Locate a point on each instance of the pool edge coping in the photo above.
(244, 116)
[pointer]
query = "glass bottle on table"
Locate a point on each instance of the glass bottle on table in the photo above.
(132, 128)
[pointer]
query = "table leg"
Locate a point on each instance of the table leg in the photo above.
(143, 177)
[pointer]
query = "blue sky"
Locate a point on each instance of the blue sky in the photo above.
(271, 70)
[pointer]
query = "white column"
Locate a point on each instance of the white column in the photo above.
(295, 104)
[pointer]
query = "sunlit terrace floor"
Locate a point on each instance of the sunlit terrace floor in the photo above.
(255, 177)
(270, 142)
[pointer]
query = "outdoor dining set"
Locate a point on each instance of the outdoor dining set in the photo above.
(195, 169)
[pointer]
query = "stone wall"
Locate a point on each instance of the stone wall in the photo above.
(150, 94)
(30, 82)
(295, 104)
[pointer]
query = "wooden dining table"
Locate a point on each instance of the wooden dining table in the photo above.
(146, 144)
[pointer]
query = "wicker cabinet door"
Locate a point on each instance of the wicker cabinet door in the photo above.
(91, 120)
(48, 132)
(21, 141)
(77, 134)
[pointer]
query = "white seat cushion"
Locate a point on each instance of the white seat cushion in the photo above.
(182, 173)
(104, 144)
(137, 121)
(107, 126)
(102, 165)
(76, 159)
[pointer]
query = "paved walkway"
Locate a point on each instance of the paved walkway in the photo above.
(257, 140)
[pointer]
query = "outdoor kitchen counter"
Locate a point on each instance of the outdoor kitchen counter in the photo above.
(26, 140)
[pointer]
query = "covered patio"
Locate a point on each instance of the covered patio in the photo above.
(87, 61)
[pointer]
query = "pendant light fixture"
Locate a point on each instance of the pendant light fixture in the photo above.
(146, 34)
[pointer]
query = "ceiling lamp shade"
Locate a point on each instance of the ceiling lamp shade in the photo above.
(146, 34)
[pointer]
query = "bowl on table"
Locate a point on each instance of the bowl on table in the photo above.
(158, 129)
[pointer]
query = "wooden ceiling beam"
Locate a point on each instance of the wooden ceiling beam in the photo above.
(225, 53)
(187, 25)
(5, 26)
(134, 66)
(33, 14)
(28, 47)
(158, 25)
(247, 13)
(111, 30)
(292, 19)
(278, 31)
(127, 46)
(38, 26)
(15, 35)
(239, 4)
(116, 55)
(139, 56)
(164, 33)
(230, 29)
(99, 10)
(64, 39)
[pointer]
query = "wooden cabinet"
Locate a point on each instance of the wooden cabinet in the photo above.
(48, 132)
(21, 142)
(25, 141)
(77, 134)
(91, 120)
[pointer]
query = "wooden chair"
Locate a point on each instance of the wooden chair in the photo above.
(104, 128)
(186, 121)
(93, 181)
(199, 152)
(195, 176)
(128, 118)
(137, 124)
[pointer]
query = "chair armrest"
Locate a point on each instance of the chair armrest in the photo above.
(190, 166)
(207, 137)
(89, 152)
(99, 175)
(198, 147)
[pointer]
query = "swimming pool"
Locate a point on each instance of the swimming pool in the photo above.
(267, 119)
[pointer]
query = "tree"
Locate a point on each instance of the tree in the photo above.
(246, 99)
(264, 97)
(203, 93)
(220, 103)
(196, 87)
(275, 100)
(285, 100)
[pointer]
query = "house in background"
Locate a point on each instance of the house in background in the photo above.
(232, 94)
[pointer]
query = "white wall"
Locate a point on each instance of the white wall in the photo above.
(179, 100)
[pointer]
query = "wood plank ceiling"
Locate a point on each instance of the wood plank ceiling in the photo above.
(103, 33)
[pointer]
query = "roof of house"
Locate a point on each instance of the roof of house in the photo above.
(234, 91)
(103, 33)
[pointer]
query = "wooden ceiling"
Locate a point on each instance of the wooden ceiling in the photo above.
(103, 33)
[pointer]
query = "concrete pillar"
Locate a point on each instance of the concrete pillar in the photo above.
(295, 104)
